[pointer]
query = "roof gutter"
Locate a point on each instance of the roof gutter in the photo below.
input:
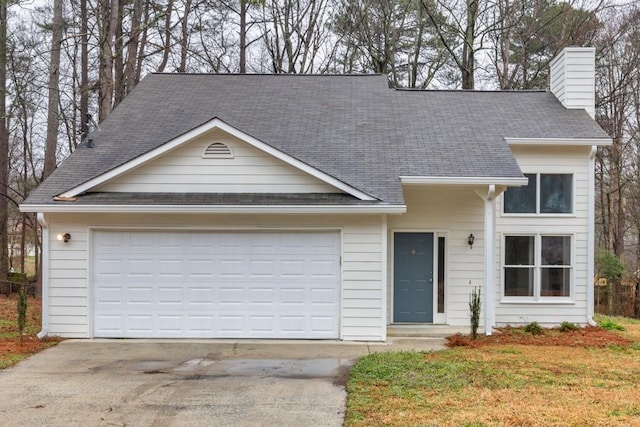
(448, 180)
(559, 141)
(222, 209)
(45, 275)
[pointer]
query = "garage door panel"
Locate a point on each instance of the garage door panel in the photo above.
(140, 295)
(200, 295)
(170, 267)
(109, 267)
(229, 268)
(262, 295)
(170, 295)
(109, 295)
(262, 268)
(216, 284)
(200, 268)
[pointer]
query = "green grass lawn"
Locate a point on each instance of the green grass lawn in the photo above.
(500, 385)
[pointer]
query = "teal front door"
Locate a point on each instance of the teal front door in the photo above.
(413, 277)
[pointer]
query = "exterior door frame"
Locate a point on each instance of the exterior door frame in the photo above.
(438, 318)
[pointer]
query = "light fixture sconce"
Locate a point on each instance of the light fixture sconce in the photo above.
(64, 237)
(470, 240)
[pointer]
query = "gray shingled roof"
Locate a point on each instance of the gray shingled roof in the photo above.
(351, 127)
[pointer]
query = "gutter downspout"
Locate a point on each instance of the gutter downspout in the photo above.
(489, 265)
(591, 233)
(45, 275)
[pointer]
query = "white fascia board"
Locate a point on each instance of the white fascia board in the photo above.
(249, 209)
(194, 133)
(559, 141)
(441, 180)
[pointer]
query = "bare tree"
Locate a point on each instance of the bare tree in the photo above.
(389, 37)
(51, 147)
(108, 23)
(294, 33)
(4, 146)
(529, 34)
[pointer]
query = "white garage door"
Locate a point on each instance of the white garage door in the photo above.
(216, 284)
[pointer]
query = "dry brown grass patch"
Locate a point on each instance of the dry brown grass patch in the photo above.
(580, 378)
(14, 348)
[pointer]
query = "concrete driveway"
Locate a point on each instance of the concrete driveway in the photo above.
(186, 383)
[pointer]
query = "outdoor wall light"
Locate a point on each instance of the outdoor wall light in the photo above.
(64, 237)
(470, 240)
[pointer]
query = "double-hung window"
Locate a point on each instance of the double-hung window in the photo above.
(546, 193)
(537, 266)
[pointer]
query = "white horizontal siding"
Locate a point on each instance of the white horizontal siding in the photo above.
(363, 298)
(573, 78)
(453, 212)
(572, 160)
(185, 170)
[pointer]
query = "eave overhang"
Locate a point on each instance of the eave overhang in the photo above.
(216, 209)
(559, 141)
(442, 180)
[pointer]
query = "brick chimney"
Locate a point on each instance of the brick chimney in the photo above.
(573, 78)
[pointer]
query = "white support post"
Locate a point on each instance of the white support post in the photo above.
(591, 236)
(489, 264)
(489, 255)
(384, 282)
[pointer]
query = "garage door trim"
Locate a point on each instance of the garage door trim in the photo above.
(91, 230)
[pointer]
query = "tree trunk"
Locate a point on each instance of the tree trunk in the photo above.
(167, 38)
(468, 49)
(118, 57)
(244, 6)
(4, 146)
(131, 64)
(109, 16)
(184, 48)
(54, 82)
(84, 70)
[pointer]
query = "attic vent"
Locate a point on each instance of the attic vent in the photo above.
(218, 150)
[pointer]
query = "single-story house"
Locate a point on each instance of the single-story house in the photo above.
(323, 207)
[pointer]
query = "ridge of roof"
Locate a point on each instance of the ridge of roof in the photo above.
(270, 75)
(517, 91)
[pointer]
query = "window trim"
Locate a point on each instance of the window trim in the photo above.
(537, 213)
(537, 267)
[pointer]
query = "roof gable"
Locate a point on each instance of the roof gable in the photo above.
(183, 166)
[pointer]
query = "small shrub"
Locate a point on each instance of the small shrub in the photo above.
(17, 277)
(568, 327)
(533, 328)
(22, 309)
(610, 325)
(474, 308)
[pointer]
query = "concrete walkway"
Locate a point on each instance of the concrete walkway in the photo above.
(187, 382)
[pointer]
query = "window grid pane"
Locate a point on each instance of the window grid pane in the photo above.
(555, 282)
(556, 193)
(556, 250)
(526, 275)
(518, 281)
(521, 199)
(519, 250)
